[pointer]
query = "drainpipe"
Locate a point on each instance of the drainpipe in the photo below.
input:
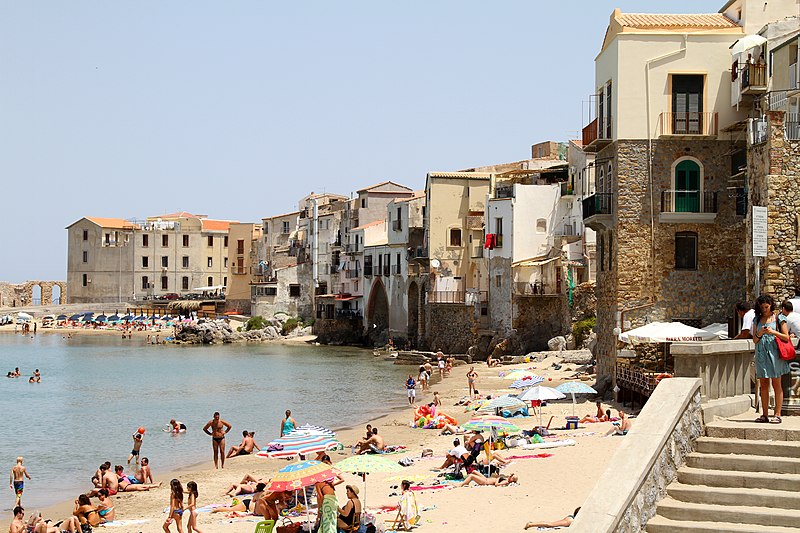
(682, 49)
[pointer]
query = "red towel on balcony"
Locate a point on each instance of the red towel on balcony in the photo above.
(490, 241)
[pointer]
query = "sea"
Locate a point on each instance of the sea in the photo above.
(96, 391)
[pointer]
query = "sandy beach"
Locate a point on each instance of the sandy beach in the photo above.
(550, 487)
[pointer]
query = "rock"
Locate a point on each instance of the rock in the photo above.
(570, 341)
(557, 344)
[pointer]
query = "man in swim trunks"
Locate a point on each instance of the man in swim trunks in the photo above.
(246, 447)
(17, 479)
(144, 475)
(108, 481)
(217, 428)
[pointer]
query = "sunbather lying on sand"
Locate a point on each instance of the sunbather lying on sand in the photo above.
(254, 504)
(564, 522)
(480, 479)
(246, 486)
(450, 429)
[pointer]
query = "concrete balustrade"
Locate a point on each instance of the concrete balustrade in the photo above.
(722, 366)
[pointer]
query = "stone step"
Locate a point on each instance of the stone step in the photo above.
(747, 447)
(660, 524)
(735, 514)
(728, 429)
(781, 499)
(744, 463)
(723, 478)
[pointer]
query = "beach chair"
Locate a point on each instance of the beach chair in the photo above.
(354, 528)
(265, 526)
(407, 514)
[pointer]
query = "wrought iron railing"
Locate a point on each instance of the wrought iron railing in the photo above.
(688, 123)
(600, 203)
(678, 201)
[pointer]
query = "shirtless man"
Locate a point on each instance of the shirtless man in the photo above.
(18, 524)
(217, 428)
(375, 444)
(108, 481)
(144, 475)
(17, 479)
(246, 447)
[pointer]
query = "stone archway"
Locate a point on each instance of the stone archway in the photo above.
(378, 314)
(36, 294)
(56, 294)
(413, 312)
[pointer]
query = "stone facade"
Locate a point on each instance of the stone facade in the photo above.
(450, 328)
(636, 275)
(538, 319)
(19, 295)
(773, 169)
(338, 331)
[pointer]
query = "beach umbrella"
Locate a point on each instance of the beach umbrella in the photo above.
(656, 332)
(113, 318)
(88, 316)
(61, 317)
(76, 317)
(502, 402)
(573, 388)
(367, 464)
(299, 475)
(519, 374)
(299, 445)
(101, 318)
(490, 422)
(308, 429)
(127, 318)
(541, 393)
(526, 382)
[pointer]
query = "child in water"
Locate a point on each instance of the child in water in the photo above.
(137, 446)
(175, 506)
(191, 505)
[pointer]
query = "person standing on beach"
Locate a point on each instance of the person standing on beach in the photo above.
(191, 506)
(471, 377)
(288, 424)
(411, 389)
(440, 363)
(17, 481)
(175, 506)
(217, 428)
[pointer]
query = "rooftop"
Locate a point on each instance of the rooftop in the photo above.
(114, 223)
(381, 184)
(369, 225)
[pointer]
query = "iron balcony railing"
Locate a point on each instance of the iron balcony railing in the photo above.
(351, 273)
(791, 125)
(678, 201)
(470, 297)
(688, 123)
(352, 248)
(535, 288)
(348, 313)
(600, 203)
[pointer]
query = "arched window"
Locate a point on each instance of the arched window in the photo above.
(687, 185)
(541, 225)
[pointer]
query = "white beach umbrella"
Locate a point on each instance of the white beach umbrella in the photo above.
(666, 332)
(541, 393)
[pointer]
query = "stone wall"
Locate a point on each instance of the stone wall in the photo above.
(538, 319)
(661, 437)
(19, 295)
(338, 331)
(584, 301)
(450, 327)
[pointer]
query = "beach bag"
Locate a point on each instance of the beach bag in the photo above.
(785, 349)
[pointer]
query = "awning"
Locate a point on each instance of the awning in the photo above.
(535, 261)
(346, 298)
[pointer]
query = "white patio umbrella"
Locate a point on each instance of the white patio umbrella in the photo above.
(746, 43)
(541, 393)
(666, 332)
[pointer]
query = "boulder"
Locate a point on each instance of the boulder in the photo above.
(557, 344)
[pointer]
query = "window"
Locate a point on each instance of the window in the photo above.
(687, 186)
(367, 265)
(294, 291)
(225, 262)
(397, 264)
(686, 250)
(387, 264)
(210, 281)
(225, 281)
(145, 282)
(164, 261)
(185, 283)
(498, 280)
(285, 227)
(145, 241)
(210, 262)
(225, 241)
(85, 280)
(85, 256)
(608, 111)
(165, 240)
(364, 202)
(85, 235)
(741, 201)
(185, 261)
(185, 241)
(145, 261)
(687, 104)
(211, 240)
(164, 283)
(266, 291)
(107, 239)
(541, 225)
(240, 247)
(455, 236)
(498, 230)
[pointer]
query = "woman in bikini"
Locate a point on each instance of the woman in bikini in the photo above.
(105, 508)
(328, 507)
(37, 524)
(86, 512)
(288, 424)
(245, 505)
(480, 479)
(191, 505)
(351, 512)
(175, 506)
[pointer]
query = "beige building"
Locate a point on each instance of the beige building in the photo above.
(244, 263)
(114, 260)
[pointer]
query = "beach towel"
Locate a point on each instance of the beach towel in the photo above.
(409, 509)
(535, 456)
(328, 514)
(550, 444)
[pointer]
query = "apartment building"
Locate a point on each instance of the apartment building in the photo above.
(244, 265)
(114, 260)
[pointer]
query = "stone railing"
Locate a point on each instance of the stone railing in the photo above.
(661, 437)
(722, 366)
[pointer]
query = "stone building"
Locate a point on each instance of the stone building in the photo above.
(670, 232)
(115, 260)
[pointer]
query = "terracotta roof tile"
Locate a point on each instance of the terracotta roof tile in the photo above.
(216, 225)
(661, 21)
(117, 223)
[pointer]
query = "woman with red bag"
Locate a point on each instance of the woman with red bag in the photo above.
(769, 365)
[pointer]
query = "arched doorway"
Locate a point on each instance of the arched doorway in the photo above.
(413, 312)
(36, 294)
(378, 314)
(56, 299)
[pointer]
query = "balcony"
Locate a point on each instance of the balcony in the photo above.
(566, 190)
(477, 251)
(420, 252)
(791, 126)
(348, 313)
(352, 248)
(595, 136)
(754, 79)
(568, 232)
(678, 206)
(468, 297)
(397, 225)
(757, 131)
(597, 210)
(387, 270)
(688, 124)
(536, 288)
(352, 273)
(397, 270)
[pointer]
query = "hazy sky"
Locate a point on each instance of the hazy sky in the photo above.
(237, 109)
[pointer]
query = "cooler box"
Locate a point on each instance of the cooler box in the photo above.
(572, 422)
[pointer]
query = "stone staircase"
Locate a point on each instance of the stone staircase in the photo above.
(742, 477)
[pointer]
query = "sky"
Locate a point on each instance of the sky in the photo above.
(238, 109)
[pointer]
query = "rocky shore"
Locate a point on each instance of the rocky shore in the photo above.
(222, 332)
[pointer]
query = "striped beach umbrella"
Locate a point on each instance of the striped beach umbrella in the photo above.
(299, 475)
(299, 445)
(519, 374)
(502, 402)
(489, 422)
(528, 381)
(308, 429)
(367, 464)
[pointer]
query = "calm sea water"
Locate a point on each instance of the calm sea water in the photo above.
(96, 391)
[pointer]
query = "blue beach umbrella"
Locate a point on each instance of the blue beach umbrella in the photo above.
(76, 317)
(113, 318)
(101, 318)
(524, 383)
(127, 318)
(61, 317)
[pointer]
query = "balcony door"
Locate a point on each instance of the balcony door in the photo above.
(687, 104)
(687, 187)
